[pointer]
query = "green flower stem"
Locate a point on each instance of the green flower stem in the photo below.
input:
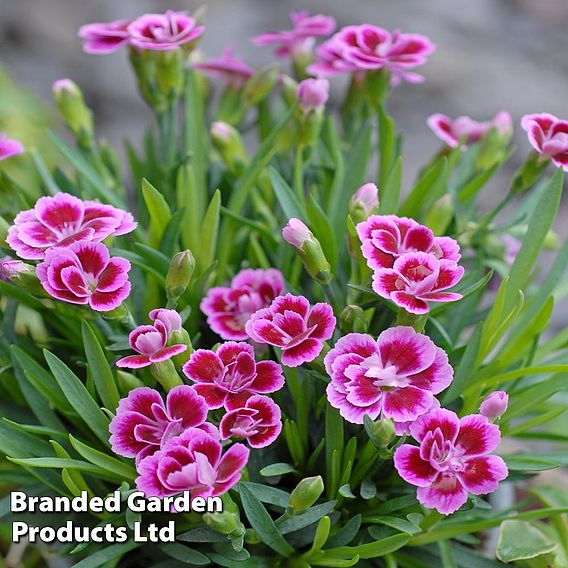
(418, 322)
(165, 373)
(299, 174)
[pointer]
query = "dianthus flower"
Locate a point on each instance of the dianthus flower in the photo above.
(395, 376)
(9, 147)
(228, 308)
(548, 135)
(62, 220)
(234, 71)
(143, 423)
(85, 273)
(230, 376)
(102, 38)
(193, 461)
(384, 238)
(416, 279)
(452, 459)
(290, 324)
(258, 422)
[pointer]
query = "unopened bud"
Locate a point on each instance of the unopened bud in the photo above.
(126, 382)
(228, 521)
(380, 432)
(71, 104)
(352, 319)
(289, 88)
(179, 275)
(313, 94)
(305, 494)
(10, 268)
(440, 215)
(365, 202)
(260, 85)
(494, 405)
(228, 142)
(309, 248)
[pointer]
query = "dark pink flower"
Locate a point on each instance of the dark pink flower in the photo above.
(494, 405)
(452, 459)
(384, 238)
(299, 40)
(313, 94)
(151, 341)
(417, 278)
(143, 423)
(395, 376)
(370, 48)
(9, 147)
(62, 220)
(403, 428)
(234, 71)
(104, 37)
(192, 462)
(229, 308)
(10, 267)
(163, 32)
(466, 130)
(258, 421)
(290, 324)
(84, 273)
(548, 135)
(231, 376)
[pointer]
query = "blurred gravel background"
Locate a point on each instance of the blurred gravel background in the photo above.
(492, 54)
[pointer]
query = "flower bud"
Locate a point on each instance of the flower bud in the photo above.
(22, 275)
(313, 94)
(179, 275)
(126, 382)
(71, 104)
(229, 143)
(494, 405)
(352, 319)
(289, 89)
(440, 215)
(260, 85)
(365, 202)
(10, 268)
(380, 432)
(305, 494)
(309, 249)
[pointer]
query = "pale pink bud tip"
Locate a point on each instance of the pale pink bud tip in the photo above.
(64, 85)
(221, 130)
(367, 196)
(296, 233)
(494, 405)
(313, 93)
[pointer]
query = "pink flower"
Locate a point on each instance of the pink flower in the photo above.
(151, 341)
(296, 233)
(384, 238)
(64, 219)
(84, 273)
(299, 40)
(366, 197)
(313, 94)
(104, 37)
(548, 135)
(452, 459)
(290, 324)
(403, 428)
(234, 71)
(370, 48)
(396, 375)
(466, 130)
(229, 308)
(192, 462)
(10, 267)
(9, 147)
(259, 422)
(143, 424)
(416, 279)
(494, 405)
(163, 32)
(231, 376)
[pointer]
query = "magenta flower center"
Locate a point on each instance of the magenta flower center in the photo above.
(443, 455)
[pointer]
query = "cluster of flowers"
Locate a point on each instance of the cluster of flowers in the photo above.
(395, 376)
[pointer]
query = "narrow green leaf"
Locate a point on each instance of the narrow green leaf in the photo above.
(158, 211)
(527, 463)
(100, 368)
(108, 554)
(334, 443)
(268, 494)
(104, 461)
(371, 550)
(277, 469)
(390, 194)
(184, 554)
(312, 515)
(79, 397)
(431, 182)
(286, 197)
(206, 253)
(262, 523)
